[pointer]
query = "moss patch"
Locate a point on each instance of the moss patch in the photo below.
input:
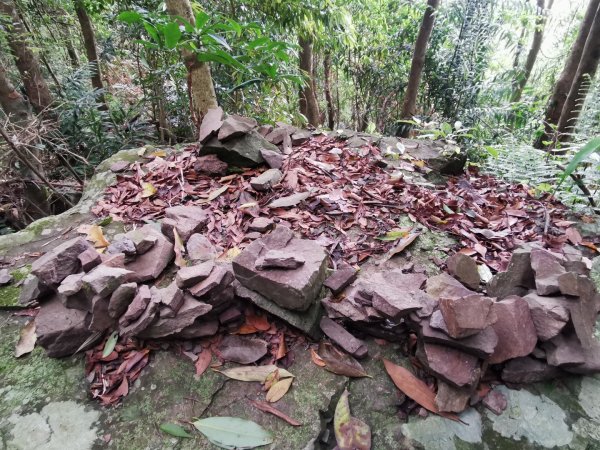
(9, 295)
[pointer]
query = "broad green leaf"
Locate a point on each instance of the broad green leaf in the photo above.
(254, 373)
(394, 235)
(350, 433)
(446, 128)
(129, 17)
(201, 19)
(110, 344)
(233, 432)
(581, 155)
(172, 34)
(492, 151)
(174, 430)
(151, 30)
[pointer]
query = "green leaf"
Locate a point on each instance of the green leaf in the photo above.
(110, 344)
(201, 19)
(151, 30)
(220, 40)
(394, 235)
(172, 34)
(581, 155)
(233, 432)
(446, 128)
(492, 151)
(129, 17)
(175, 430)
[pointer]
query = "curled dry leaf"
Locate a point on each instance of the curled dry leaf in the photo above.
(94, 235)
(316, 358)
(265, 407)
(179, 249)
(340, 363)
(203, 362)
(27, 339)
(279, 389)
(282, 349)
(350, 432)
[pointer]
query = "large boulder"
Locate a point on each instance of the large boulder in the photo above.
(242, 151)
(62, 261)
(295, 289)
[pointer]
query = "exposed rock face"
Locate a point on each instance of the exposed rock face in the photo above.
(242, 151)
(101, 319)
(170, 298)
(200, 249)
(443, 285)
(189, 276)
(89, 259)
(266, 180)
(464, 269)
(210, 165)
(61, 330)
(547, 268)
(279, 259)
(62, 261)
(518, 278)
(568, 283)
(120, 299)
(137, 306)
(343, 277)
(219, 278)
(345, 340)
(150, 265)
(103, 280)
(468, 315)
(528, 370)
(235, 126)
(453, 366)
(211, 123)
(564, 350)
(292, 289)
(147, 317)
(515, 329)
(273, 159)
(187, 220)
(549, 314)
(450, 398)
(33, 290)
(71, 295)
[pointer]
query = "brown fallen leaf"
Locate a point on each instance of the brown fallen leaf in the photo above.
(340, 363)
(179, 249)
(414, 388)
(26, 340)
(261, 323)
(265, 407)
(202, 362)
(400, 246)
(282, 349)
(350, 433)
(279, 389)
(94, 235)
(254, 373)
(316, 358)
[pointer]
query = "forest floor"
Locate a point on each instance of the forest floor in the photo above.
(44, 402)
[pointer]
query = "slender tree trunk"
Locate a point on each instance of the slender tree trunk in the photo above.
(201, 90)
(308, 100)
(524, 74)
(26, 61)
(418, 61)
(565, 80)
(581, 83)
(327, 86)
(89, 42)
(12, 102)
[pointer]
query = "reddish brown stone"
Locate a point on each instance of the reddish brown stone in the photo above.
(481, 344)
(89, 259)
(453, 366)
(549, 314)
(495, 401)
(142, 322)
(191, 275)
(101, 320)
(187, 220)
(60, 262)
(279, 259)
(547, 268)
(200, 249)
(464, 269)
(564, 350)
(343, 277)
(137, 306)
(219, 278)
(200, 328)
(568, 283)
(170, 297)
(528, 370)
(151, 264)
(261, 224)
(242, 349)
(103, 280)
(443, 285)
(230, 315)
(210, 165)
(515, 329)
(345, 340)
(274, 159)
(451, 399)
(120, 299)
(468, 315)
(211, 123)
(518, 278)
(234, 126)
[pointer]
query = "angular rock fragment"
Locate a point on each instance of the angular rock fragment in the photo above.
(242, 350)
(72, 295)
(547, 268)
(234, 126)
(200, 249)
(60, 262)
(191, 275)
(279, 259)
(135, 328)
(242, 151)
(218, 279)
(300, 137)
(210, 165)
(495, 401)
(345, 340)
(103, 280)
(278, 134)
(292, 289)
(514, 326)
(464, 269)
(137, 306)
(518, 277)
(343, 277)
(211, 123)
(549, 314)
(123, 245)
(141, 240)
(443, 285)
(564, 350)
(265, 129)
(274, 159)
(451, 399)
(230, 315)
(60, 330)
(266, 180)
(468, 315)
(200, 328)
(187, 220)
(453, 366)
(584, 311)
(395, 294)
(170, 297)
(190, 310)
(120, 299)
(150, 265)
(33, 290)
(427, 302)
(261, 224)
(306, 321)
(528, 370)
(101, 319)
(568, 283)
(89, 259)
(116, 260)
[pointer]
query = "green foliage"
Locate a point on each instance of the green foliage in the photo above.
(592, 146)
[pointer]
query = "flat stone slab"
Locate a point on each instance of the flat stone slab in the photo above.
(468, 315)
(547, 268)
(464, 269)
(516, 332)
(451, 365)
(60, 262)
(151, 264)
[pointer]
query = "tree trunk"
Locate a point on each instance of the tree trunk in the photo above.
(536, 44)
(89, 42)
(418, 61)
(581, 83)
(26, 61)
(12, 102)
(565, 80)
(308, 100)
(327, 89)
(201, 90)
